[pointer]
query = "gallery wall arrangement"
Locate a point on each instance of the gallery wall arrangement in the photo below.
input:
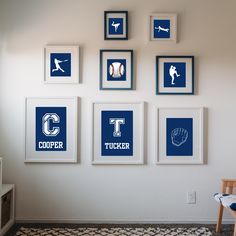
(118, 128)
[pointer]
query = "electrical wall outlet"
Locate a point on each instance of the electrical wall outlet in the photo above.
(191, 197)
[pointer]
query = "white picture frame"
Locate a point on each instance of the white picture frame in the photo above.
(61, 64)
(108, 148)
(51, 129)
(162, 27)
(180, 135)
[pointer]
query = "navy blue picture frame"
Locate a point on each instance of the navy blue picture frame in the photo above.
(158, 92)
(101, 68)
(106, 36)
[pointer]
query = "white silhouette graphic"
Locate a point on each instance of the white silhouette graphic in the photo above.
(116, 26)
(179, 136)
(57, 65)
(159, 28)
(172, 73)
(116, 69)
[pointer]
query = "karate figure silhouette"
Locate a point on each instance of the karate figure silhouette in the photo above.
(115, 25)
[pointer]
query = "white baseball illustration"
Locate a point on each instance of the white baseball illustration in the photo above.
(179, 136)
(116, 70)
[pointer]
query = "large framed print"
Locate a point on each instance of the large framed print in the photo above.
(175, 75)
(163, 27)
(116, 69)
(118, 133)
(116, 25)
(61, 64)
(51, 129)
(180, 134)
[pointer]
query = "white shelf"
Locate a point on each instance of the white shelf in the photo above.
(6, 188)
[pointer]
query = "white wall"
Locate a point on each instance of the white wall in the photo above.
(83, 192)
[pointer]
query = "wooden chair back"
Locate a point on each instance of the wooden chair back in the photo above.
(228, 186)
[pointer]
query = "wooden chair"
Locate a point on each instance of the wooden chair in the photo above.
(227, 187)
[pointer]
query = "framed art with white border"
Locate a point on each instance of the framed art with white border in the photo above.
(180, 133)
(61, 64)
(51, 129)
(116, 69)
(116, 25)
(175, 75)
(118, 133)
(163, 27)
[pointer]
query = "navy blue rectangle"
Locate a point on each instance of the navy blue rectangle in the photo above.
(161, 29)
(50, 129)
(179, 136)
(60, 64)
(175, 74)
(117, 142)
(116, 26)
(116, 74)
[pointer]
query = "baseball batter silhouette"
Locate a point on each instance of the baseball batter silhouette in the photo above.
(172, 73)
(57, 64)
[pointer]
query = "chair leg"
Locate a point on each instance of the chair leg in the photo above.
(219, 220)
(235, 229)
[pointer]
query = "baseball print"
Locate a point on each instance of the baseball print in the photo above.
(116, 69)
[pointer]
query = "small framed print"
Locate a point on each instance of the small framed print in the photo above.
(61, 64)
(116, 25)
(51, 129)
(175, 75)
(118, 133)
(180, 136)
(116, 69)
(163, 27)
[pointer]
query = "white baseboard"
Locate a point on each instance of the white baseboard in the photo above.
(123, 221)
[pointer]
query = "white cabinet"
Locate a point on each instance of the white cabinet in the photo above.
(7, 204)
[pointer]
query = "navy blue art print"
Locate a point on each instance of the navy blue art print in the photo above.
(161, 29)
(175, 74)
(117, 133)
(179, 136)
(115, 26)
(60, 64)
(116, 69)
(50, 129)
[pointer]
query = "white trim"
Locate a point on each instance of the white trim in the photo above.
(123, 221)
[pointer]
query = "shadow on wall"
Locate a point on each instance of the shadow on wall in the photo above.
(19, 16)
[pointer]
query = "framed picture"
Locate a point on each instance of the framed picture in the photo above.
(163, 27)
(116, 25)
(118, 133)
(180, 136)
(61, 64)
(175, 75)
(116, 69)
(51, 129)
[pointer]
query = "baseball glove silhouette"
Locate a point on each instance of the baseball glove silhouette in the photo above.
(179, 136)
